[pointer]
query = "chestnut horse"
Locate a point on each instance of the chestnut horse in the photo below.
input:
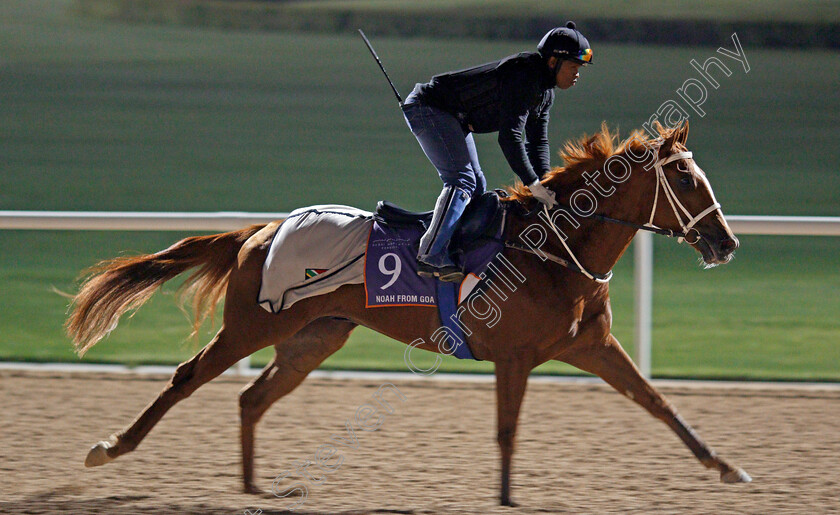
(559, 313)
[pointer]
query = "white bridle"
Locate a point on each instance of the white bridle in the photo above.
(673, 200)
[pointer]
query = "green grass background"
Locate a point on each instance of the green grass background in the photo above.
(810, 11)
(104, 116)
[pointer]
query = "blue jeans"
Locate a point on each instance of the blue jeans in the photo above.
(448, 146)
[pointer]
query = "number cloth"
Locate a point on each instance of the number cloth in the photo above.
(391, 267)
(391, 277)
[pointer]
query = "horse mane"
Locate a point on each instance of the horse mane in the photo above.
(589, 153)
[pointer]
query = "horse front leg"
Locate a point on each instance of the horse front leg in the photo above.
(511, 381)
(608, 360)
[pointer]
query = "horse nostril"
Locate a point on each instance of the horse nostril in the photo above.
(728, 245)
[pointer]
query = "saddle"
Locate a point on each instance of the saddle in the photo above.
(482, 218)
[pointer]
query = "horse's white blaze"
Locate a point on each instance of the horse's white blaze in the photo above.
(700, 173)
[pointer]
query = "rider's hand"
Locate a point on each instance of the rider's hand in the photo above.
(543, 194)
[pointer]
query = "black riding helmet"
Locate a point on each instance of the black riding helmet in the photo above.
(566, 43)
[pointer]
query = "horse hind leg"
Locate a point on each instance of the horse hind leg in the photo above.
(246, 329)
(295, 358)
(609, 361)
(234, 341)
(216, 357)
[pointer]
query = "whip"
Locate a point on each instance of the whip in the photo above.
(373, 53)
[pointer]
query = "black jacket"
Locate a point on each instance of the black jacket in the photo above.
(511, 96)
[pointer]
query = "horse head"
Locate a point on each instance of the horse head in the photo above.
(660, 188)
(684, 201)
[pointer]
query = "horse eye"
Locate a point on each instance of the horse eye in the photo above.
(685, 181)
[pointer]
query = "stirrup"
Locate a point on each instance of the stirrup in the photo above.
(446, 273)
(451, 274)
(424, 270)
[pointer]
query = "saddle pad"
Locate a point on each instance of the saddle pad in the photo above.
(391, 277)
(315, 250)
(391, 267)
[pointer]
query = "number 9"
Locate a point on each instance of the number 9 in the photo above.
(393, 272)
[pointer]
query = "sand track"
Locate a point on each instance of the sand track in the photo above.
(581, 449)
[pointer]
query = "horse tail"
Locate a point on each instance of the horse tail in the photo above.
(118, 285)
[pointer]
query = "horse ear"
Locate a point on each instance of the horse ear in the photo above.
(683, 133)
(661, 129)
(669, 138)
(674, 136)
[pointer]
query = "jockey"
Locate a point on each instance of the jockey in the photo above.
(512, 96)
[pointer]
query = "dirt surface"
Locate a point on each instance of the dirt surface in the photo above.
(581, 449)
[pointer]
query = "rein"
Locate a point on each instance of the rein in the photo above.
(641, 227)
(673, 201)
(600, 278)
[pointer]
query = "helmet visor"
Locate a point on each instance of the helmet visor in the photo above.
(584, 55)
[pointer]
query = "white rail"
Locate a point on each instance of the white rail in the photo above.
(132, 220)
(137, 221)
(643, 250)
(785, 225)
(226, 221)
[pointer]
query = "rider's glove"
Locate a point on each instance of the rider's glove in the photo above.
(543, 194)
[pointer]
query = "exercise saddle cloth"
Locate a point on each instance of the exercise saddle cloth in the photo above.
(318, 249)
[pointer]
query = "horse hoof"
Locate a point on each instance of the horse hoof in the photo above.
(735, 476)
(510, 502)
(252, 489)
(98, 454)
